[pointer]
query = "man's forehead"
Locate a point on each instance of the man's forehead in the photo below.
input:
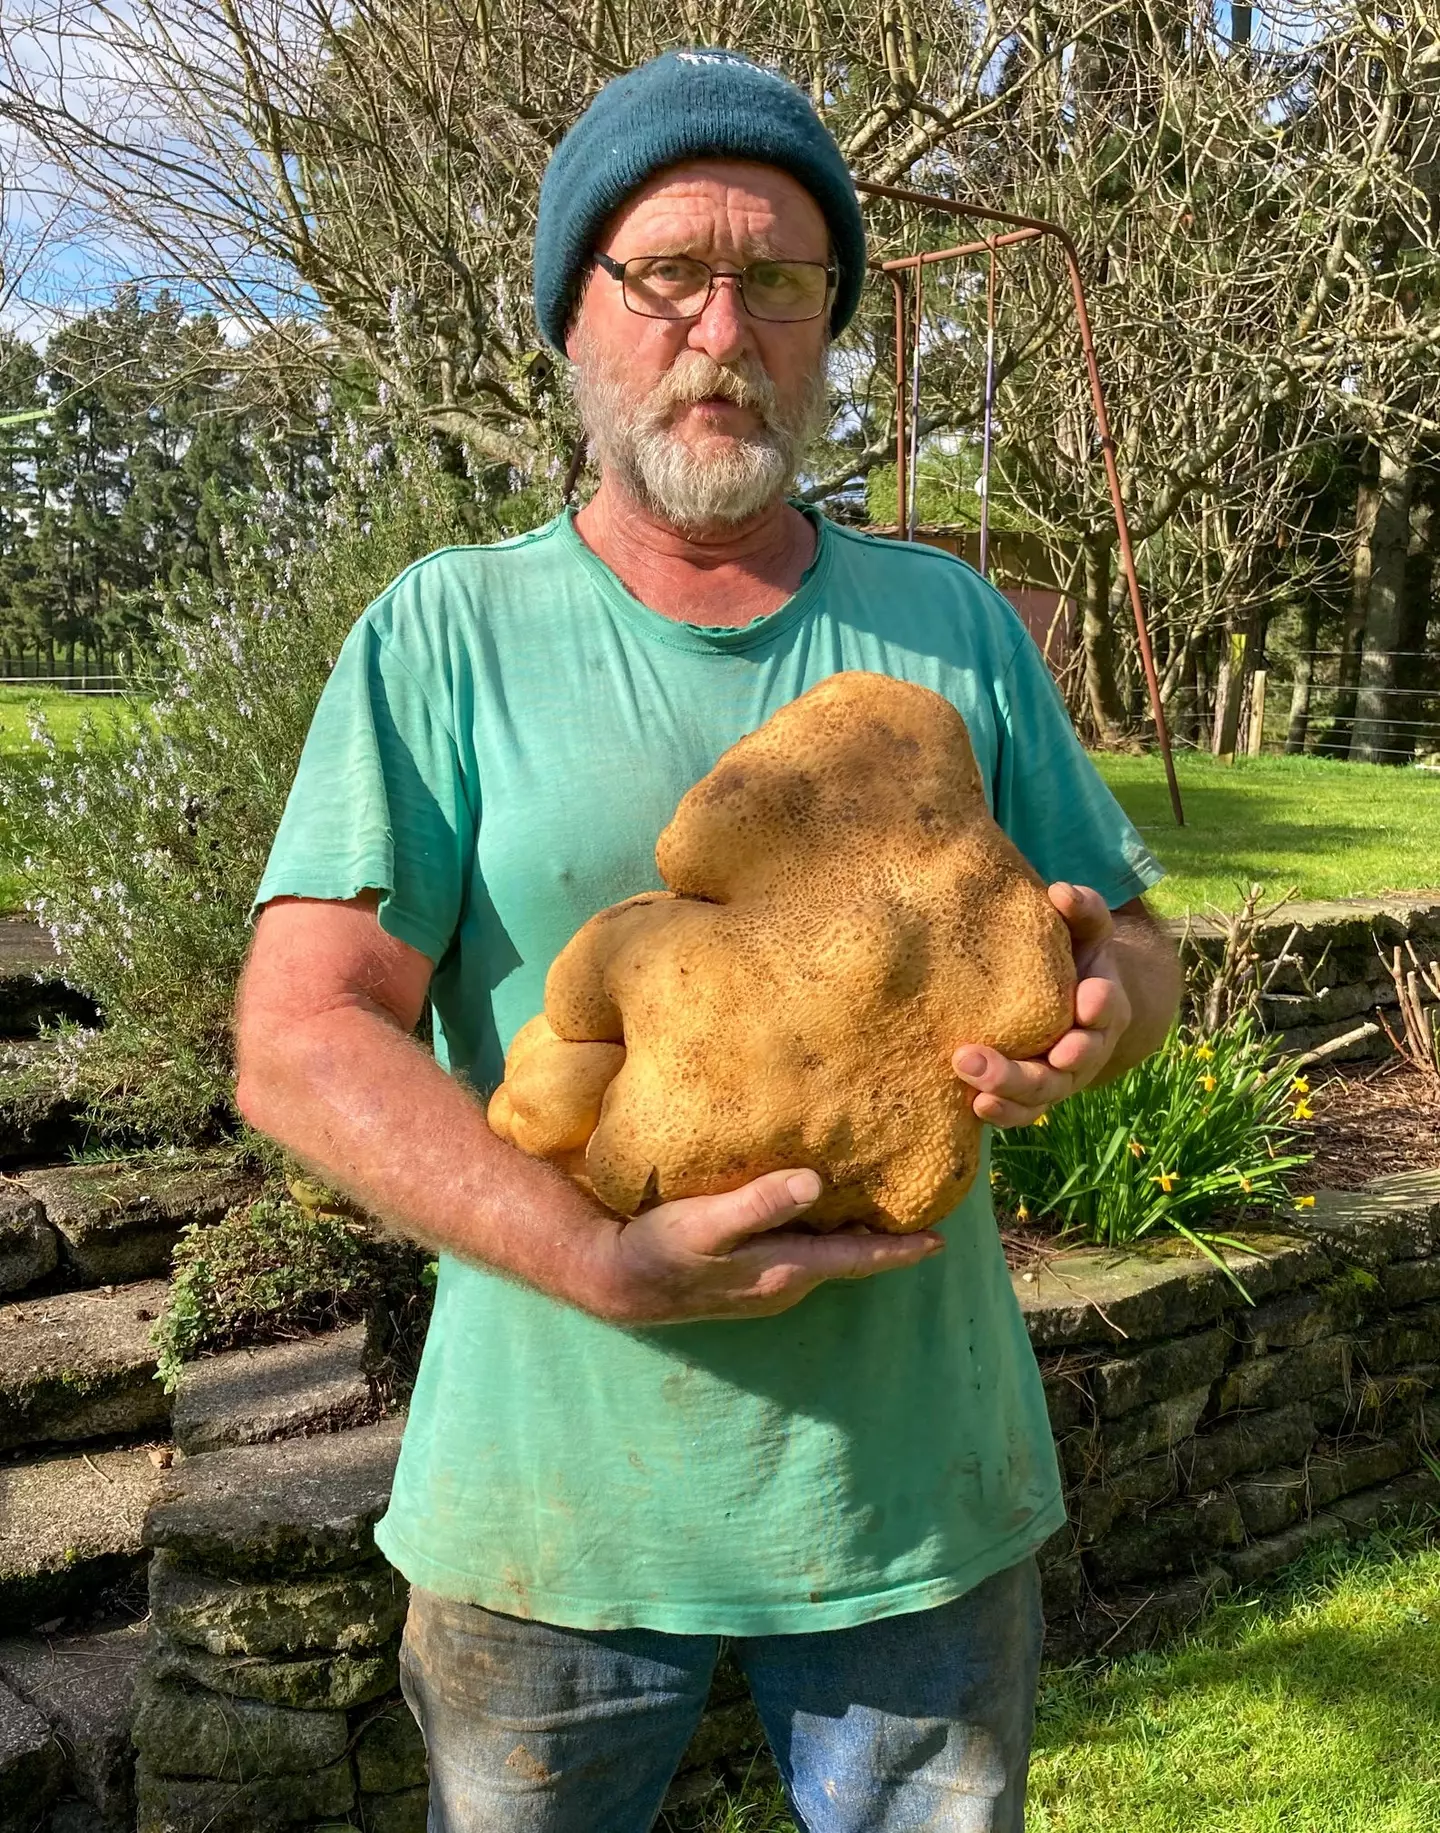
(717, 200)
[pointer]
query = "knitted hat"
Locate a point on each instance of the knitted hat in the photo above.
(685, 105)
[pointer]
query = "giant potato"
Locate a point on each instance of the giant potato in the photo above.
(842, 913)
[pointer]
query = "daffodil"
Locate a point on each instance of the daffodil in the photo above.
(994, 1179)
(1209, 1084)
(1041, 1120)
(1304, 1202)
(1246, 1185)
(1023, 1213)
(1167, 1180)
(1204, 1052)
(1299, 1086)
(1137, 1150)
(1303, 1110)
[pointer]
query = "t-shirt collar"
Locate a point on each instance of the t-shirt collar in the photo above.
(702, 637)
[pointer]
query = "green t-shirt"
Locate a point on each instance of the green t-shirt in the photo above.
(504, 735)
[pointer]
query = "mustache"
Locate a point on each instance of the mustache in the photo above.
(693, 377)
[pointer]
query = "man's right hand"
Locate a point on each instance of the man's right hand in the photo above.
(732, 1256)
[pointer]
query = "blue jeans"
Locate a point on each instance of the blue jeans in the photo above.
(921, 1721)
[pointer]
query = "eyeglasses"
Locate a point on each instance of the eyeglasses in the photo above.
(680, 286)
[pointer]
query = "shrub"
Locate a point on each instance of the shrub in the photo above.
(141, 850)
(1199, 1133)
(272, 1270)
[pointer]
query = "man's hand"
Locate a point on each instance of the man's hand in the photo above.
(1126, 992)
(733, 1256)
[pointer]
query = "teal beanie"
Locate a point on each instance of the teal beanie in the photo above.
(685, 105)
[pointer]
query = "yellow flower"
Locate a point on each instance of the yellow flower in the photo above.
(1204, 1052)
(1024, 1214)
(1246, 1185)
(1167, 1180)
(994, 1179)
(1304, 1202)
(1300, 1086)
(1208, 1083)
(1041, 1120)
(1303, 1110)
(1137, 1150)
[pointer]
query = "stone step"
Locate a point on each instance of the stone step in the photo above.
(120, 1220)
(70, 1529)
(280, 1390)
(29, 1247)
(83, 1686)
(80, 1365)
(31, 1763)
(39, 1120)
(279, 1510)
(33, 990)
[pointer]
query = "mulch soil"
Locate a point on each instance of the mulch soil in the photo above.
(1370, 1121)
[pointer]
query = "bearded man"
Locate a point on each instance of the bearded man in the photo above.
(630, 1440)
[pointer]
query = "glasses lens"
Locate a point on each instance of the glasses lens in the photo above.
(785, 289)
(666, 286)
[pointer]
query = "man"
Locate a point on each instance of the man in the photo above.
(630, 1440)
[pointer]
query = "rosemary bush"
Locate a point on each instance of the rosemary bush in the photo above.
(269, 1270)
(141, 847)
(1201, 1132)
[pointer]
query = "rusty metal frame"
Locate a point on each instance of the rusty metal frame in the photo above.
(1021, 229)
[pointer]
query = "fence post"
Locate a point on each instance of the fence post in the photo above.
(1227, 697)
(1256, 736)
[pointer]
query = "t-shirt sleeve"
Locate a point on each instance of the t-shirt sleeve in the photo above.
(1049, 797)
(379, 801)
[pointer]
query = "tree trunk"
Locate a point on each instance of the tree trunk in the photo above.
(1304, 680)
(1374, 739)
(1336, 742)
(1102, 687)
(1410, 702)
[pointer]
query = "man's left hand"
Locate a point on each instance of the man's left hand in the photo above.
(1015, 1094)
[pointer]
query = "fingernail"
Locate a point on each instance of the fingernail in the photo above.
(935, 1244)
(1064, 889)
(804, 1187)
(971, 1063)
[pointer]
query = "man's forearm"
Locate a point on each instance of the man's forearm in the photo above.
(1150, 972)
(359, 1102)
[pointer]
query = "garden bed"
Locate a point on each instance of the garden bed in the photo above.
(1371, 1121)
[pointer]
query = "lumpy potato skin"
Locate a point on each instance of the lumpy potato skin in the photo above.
(842, 913)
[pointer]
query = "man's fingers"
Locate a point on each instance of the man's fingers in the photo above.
(1101, 1005)
(717, 1225)
(995, 1111)
(1030, 1081)
(849, 1256)
(1087, 915)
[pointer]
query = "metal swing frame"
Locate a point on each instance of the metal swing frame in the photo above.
(1016, 229)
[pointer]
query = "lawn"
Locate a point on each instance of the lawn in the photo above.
(66, 714)
(1310, 1709)
(1333, 829)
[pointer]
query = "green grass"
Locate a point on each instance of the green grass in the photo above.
(1312, 1708)
(66, 714)
(1315, 1712)
(1333, 829)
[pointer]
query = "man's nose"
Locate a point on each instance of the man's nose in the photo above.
(722, 330)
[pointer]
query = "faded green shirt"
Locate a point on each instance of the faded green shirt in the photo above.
(504, 735)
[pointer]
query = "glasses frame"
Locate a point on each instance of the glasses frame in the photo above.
(616, 271)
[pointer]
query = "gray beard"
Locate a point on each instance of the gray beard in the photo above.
(630, 439)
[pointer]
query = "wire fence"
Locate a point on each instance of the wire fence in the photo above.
(76, 670)
(1383, 707)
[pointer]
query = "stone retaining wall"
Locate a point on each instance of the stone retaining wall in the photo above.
(1206, 1441)
(1322, 966)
